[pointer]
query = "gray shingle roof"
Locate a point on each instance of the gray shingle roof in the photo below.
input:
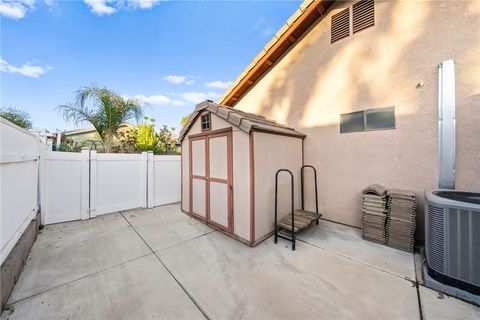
(245, 121)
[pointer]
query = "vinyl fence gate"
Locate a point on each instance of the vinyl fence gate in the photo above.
(78, 186)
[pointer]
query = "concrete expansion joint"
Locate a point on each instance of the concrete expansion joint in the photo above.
(414, 282)
(356, 260)
(91, 275)
(420, 311)
(188, 240)
(189, 295)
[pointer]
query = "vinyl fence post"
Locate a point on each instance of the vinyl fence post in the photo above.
(42, 187)
(84, 192)
(144, 175)
(150, 182)
(93, 184)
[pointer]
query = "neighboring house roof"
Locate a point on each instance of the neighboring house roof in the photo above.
(245, 121)
(88, 130)
(287, 35)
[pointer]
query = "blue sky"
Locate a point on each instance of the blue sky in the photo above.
(169, 53)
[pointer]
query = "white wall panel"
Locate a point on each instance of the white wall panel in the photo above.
(18, 183)
(83, 185)
(166, 179)
(120, 182)
(64, 185)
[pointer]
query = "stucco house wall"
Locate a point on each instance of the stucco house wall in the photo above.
(381, 66)
(83, 135)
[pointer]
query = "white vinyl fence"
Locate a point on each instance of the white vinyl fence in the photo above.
(164, 182)
(64, 186)
(19, 151)
(83, 185)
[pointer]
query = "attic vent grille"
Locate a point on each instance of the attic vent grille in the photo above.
(340, 25)
(363, 15)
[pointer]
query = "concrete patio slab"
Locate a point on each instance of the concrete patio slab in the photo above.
(165, 226)
(231, 281)
(347, 241)
(69, 251)
(436, 306)
(102, 268)
(140, 289)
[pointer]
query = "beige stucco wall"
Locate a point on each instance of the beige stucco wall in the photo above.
(82, 137)
(273, 152)
(241, 174)
(379, 67)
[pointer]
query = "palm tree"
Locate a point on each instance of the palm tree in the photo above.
(104, 109)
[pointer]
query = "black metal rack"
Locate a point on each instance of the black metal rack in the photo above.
(302, 187)
(297, 220)
(293, 209)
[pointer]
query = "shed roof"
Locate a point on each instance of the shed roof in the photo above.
(245, 121)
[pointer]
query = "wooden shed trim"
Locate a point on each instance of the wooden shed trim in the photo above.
(252, 188)
(277, 133)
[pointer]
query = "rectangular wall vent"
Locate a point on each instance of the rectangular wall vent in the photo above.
(341, 25)
(363, 15)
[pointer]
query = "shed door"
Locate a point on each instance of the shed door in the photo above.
(211, 179)
(219, 180)
(198, 177)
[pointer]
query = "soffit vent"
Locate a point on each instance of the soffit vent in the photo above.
(341, 25)
(363, 15)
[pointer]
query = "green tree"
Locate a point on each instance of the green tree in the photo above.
(126, 141)
(145, 136)
(19, 117)
(185, 120)
(103, 109)
(167, 138)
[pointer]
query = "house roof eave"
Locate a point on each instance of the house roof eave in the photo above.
(286, 37)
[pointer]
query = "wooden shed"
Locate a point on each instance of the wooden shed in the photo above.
(229, 161)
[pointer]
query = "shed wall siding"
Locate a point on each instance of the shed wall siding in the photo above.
(273, 152)
(241, 184)
(379, 67)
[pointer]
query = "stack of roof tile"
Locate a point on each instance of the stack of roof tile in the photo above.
(401, 219)
(374, 207)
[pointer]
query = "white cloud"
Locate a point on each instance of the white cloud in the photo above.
(175, 79)
(179, 103)
(154, 100)
(107, 7)
(16, 9)
(100, 7)
(159, 100)
(142, 4)
(26, 70)
(218, 84)
(262, 26)
(184, 99)
(196, 97)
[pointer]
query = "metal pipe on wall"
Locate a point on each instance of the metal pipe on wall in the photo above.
(446, 125)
